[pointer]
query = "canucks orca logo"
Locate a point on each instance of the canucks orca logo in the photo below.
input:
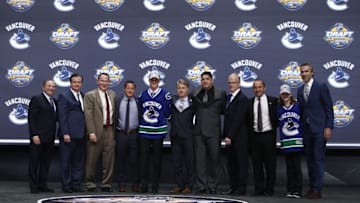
(337, 5)
(200, 5)
(151, 115)
(245, 5)
(65, 36)
(19, 115)
(109, 40)
(110, 5)
(154, 5)
(200, 39)
(162, 76)
(114, 71)
(290, 128)
(20, 5)
(64, 5)
(194, 74)
(339, 36)
(20, 75)
(292, 5)
(247, 77)
(61, 78)
(155, 36)
(20, 40)
(247, 36)
(290, 74)
(292, 39)
(343, 114)
(339, 78)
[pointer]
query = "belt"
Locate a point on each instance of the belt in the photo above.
(105, 126)
(128, 132)
(262, 133)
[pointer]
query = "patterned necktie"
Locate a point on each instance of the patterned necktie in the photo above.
(259, 118)
(306, 92)
(107, 111)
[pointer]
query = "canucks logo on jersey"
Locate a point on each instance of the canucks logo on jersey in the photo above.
(154, 5)
(247, 36)
(200, 5)
(147, 75)
(155, 36)
(337, 5)
(64, 5)
(110, 5)
(20, 75)
(343, 114)
(290, 74)
(20, 5)
(114, 71)
(290, 128)
(246, 5)
(65, 36)
(19, 114)
(194, 73)
(339, 36)
(292, 5)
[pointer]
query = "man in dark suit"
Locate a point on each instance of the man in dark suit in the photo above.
(42, 129)
(318, 118)
(182, 139)
(209, 103)
(236, 136)
(72, 135)
(127, 124)
(263, 124)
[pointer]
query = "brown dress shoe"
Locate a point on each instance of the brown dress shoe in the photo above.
(313, 195)
(175, 190)
(186, 190)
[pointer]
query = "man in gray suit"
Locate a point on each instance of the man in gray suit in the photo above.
(99, 107)
(209, 103)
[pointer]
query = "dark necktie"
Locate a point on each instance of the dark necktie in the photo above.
(78, 99)
(228, 99)
(205, 97)
(127, 115)
(107, 110)
(259, 118)
(52, 104)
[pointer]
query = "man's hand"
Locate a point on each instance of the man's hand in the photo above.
(67, 138)
(36, 139)
(92, 137)
(327, 133)
(227, 141)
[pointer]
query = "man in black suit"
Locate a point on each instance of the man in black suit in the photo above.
(209, 103)
(42, 129)
(72, 135)
(182, 139)
(236, 136)
(263, 123)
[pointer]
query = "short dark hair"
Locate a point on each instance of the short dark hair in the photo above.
(76, 75)
(308, 64)
(206, 73)
(129, 82)
(98, 77)
(45, 81)
(261, 80)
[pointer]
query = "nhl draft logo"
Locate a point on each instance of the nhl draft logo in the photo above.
(65, 36)
(20, 39)
(64, 5)
(200, 39)
(20, 5)
(247, 36)
(154, 65)
(155, 36)
(201, 5)
(20, 74)
(290, 74)
(114, 71)
(292, 5)
(343, 114)
(339, 78)
(246, 5)
(19, 113)
(110, 5)
(194, 73)
(154, 5)
(339, 36)
(292, 39)
(337, 5)
(246, 75)
(63, 73)
(109, 39)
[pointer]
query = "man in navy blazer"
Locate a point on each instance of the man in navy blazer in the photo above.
(318, 117)
(71, 135)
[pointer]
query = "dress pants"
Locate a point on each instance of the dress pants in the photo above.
(293, 171)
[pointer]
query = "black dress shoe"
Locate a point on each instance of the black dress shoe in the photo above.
(77, 190)
(46, 189)
(228, 192)
(106, 189)
(155, 189)
(144, 188)
(201, 191)
(67, 190)
(258, 194)
(212, 191)
(91, 189)
(34, 190)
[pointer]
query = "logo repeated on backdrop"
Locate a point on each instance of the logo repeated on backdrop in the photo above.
(290, 74)
(154, 64)
(292, 39)
(339, 36)
(292, 5)
(63, 73)
(20, 5)
(155, 36)
(109, 39)
(18, 110)
(65, 36)
(20, 39)
(337, 5)
(154, 5)
(247, 76)
(194, 73)
(200, 39)
(110, 5)
(339, 78)
(64, 5)
(201, 5)
(115, 72)
(20, 74)
(247, 36)
(245, 5)
(343, 114)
